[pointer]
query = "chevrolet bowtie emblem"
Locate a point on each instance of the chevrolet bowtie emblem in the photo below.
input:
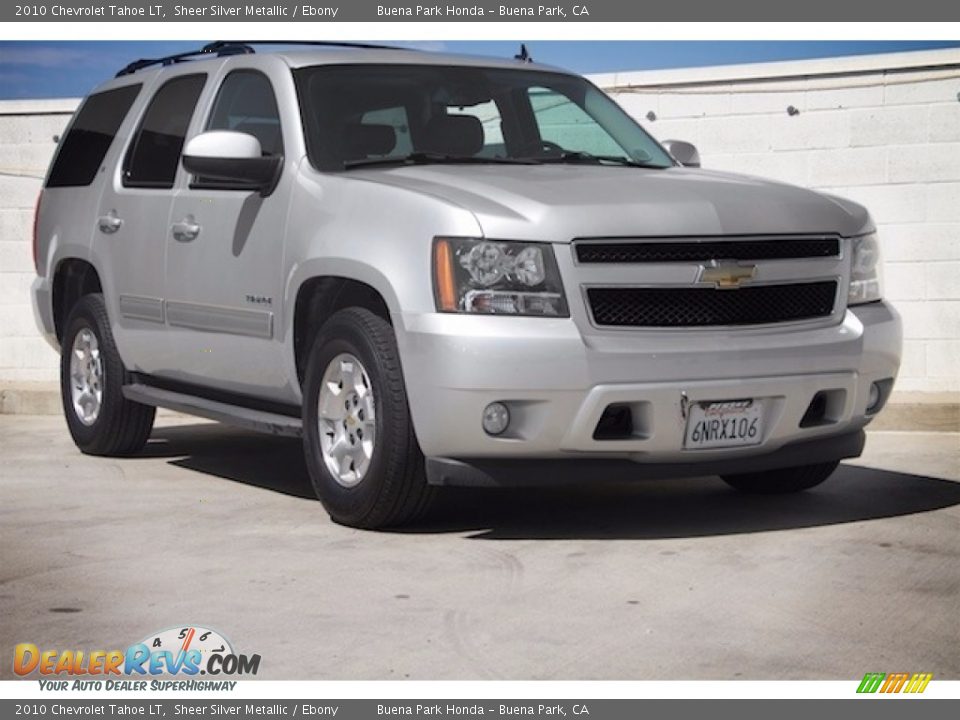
(726, 276)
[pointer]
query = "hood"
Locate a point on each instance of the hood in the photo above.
(561, 202)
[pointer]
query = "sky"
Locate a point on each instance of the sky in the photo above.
(39, 69)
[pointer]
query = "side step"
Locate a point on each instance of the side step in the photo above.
(258, 420)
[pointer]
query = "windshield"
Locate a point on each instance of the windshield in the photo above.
(358, 115)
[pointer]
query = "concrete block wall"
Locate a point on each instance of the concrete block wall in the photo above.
(28, 132)
(883, 130)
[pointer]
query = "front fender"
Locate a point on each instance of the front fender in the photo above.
(343, 226)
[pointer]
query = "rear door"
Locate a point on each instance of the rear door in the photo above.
(132, 221)
(224, 262)
(74, 183)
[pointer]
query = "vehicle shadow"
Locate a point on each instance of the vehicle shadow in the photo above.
(646, 509)
(686, 508)
(265, 461)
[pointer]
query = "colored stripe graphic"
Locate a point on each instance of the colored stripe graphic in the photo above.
(871, 682)
(895, 683)
(918, 683)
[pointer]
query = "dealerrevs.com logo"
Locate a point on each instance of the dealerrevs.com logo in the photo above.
(186, 651)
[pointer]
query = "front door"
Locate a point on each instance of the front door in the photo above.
(223, 280)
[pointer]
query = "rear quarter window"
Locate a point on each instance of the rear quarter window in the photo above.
(90, 136)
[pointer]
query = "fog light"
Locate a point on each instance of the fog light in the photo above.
(496, 417)
(873, 400)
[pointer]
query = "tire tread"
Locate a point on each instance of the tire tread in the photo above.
(403, 495)
(123, 426)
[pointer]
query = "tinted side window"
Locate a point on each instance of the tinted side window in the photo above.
(245, 103)
(90, 136)
(155, 153)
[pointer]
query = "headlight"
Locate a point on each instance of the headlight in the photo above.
(472, 275)
(866, 270)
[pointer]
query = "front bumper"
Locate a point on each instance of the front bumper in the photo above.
(497, 472)
(557, 383)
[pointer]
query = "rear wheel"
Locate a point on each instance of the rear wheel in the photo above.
(364, 461)
(787, 480)
(101, 420)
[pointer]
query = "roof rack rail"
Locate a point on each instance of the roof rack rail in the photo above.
(227, 49)
(222, 44)
(224, 48)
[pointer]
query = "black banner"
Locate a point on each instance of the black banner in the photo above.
(499, 709)
(325, 11)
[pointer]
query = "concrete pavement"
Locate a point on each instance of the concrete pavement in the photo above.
(658, 580)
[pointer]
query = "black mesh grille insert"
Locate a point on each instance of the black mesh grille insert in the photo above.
(693, 251)
(693, 307)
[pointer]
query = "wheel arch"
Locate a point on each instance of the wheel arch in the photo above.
(318, 297)
(72, 279)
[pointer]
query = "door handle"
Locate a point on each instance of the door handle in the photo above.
(186, 230)
(109, 223)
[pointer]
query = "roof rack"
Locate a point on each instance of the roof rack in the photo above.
(220, 44)
(227, 49)
(224, 48)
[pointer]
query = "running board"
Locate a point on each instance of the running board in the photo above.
(258, 420)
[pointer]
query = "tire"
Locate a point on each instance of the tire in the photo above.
(118, 426)
(779, 482)
(382, 485)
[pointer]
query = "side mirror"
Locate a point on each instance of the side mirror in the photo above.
(233, 158)
(683, 152)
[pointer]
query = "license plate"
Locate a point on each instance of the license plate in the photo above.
(728, 423)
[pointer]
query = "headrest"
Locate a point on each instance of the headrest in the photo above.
(453, 135)
(365, 140)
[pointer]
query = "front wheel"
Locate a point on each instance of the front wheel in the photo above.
(365, 463)
(787, 480)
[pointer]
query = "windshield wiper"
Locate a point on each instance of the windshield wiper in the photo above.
(579, 157)
(429, 158)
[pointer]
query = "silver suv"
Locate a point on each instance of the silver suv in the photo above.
(443, 270)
